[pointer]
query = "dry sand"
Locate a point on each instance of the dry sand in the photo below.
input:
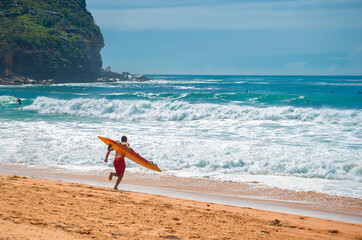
(32, 208)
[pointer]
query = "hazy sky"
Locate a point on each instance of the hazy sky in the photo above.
(322, 37)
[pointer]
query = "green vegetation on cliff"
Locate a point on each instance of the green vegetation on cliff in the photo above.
(49, 39)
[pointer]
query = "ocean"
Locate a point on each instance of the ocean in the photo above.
(300, 133)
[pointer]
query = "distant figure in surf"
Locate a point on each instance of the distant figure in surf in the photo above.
(18, 103)
(118, 163)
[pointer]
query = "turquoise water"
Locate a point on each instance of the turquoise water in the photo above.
(295, 132)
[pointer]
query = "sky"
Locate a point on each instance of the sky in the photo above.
(229, 37)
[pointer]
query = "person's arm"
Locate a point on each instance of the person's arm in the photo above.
(108, 152)
(126, 144)
(129, 146)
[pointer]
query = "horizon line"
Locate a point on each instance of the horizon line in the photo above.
(310, 75)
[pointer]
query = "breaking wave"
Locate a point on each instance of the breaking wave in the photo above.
(145, 110)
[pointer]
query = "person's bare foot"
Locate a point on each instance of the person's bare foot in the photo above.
(115, 188)
(110, 176)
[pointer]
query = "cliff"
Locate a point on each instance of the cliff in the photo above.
(49, 39)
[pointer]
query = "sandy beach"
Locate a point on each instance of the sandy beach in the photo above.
(33, 208)
(248, 194)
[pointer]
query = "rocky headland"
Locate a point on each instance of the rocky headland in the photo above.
(109, 76)
(106, 76)
(50, 41)
(21, 80)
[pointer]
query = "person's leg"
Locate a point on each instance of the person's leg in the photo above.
(120, 166)
(120, 176)
(111, 175)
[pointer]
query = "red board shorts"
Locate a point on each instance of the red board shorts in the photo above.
(119, 165)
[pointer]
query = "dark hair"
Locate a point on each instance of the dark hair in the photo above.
(124, 139)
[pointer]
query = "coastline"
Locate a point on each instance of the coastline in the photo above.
(41, 209)
(21, 80)
(107, 76)
(250, 195)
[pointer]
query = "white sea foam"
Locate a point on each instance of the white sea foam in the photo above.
(279, 140)
(306, 149)
(179, 111)
(223, 149)
(7, 99)
(260, 83)
(337, 84)
(159, 81)
(186, 87)
(113, 94)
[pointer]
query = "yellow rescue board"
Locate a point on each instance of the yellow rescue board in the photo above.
(128, 153)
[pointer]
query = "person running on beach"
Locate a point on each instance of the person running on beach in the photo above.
(118, 163)
(18, 103)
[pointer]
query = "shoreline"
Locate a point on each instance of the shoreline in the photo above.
(107, 76)
(251, 195)
(33, 208)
